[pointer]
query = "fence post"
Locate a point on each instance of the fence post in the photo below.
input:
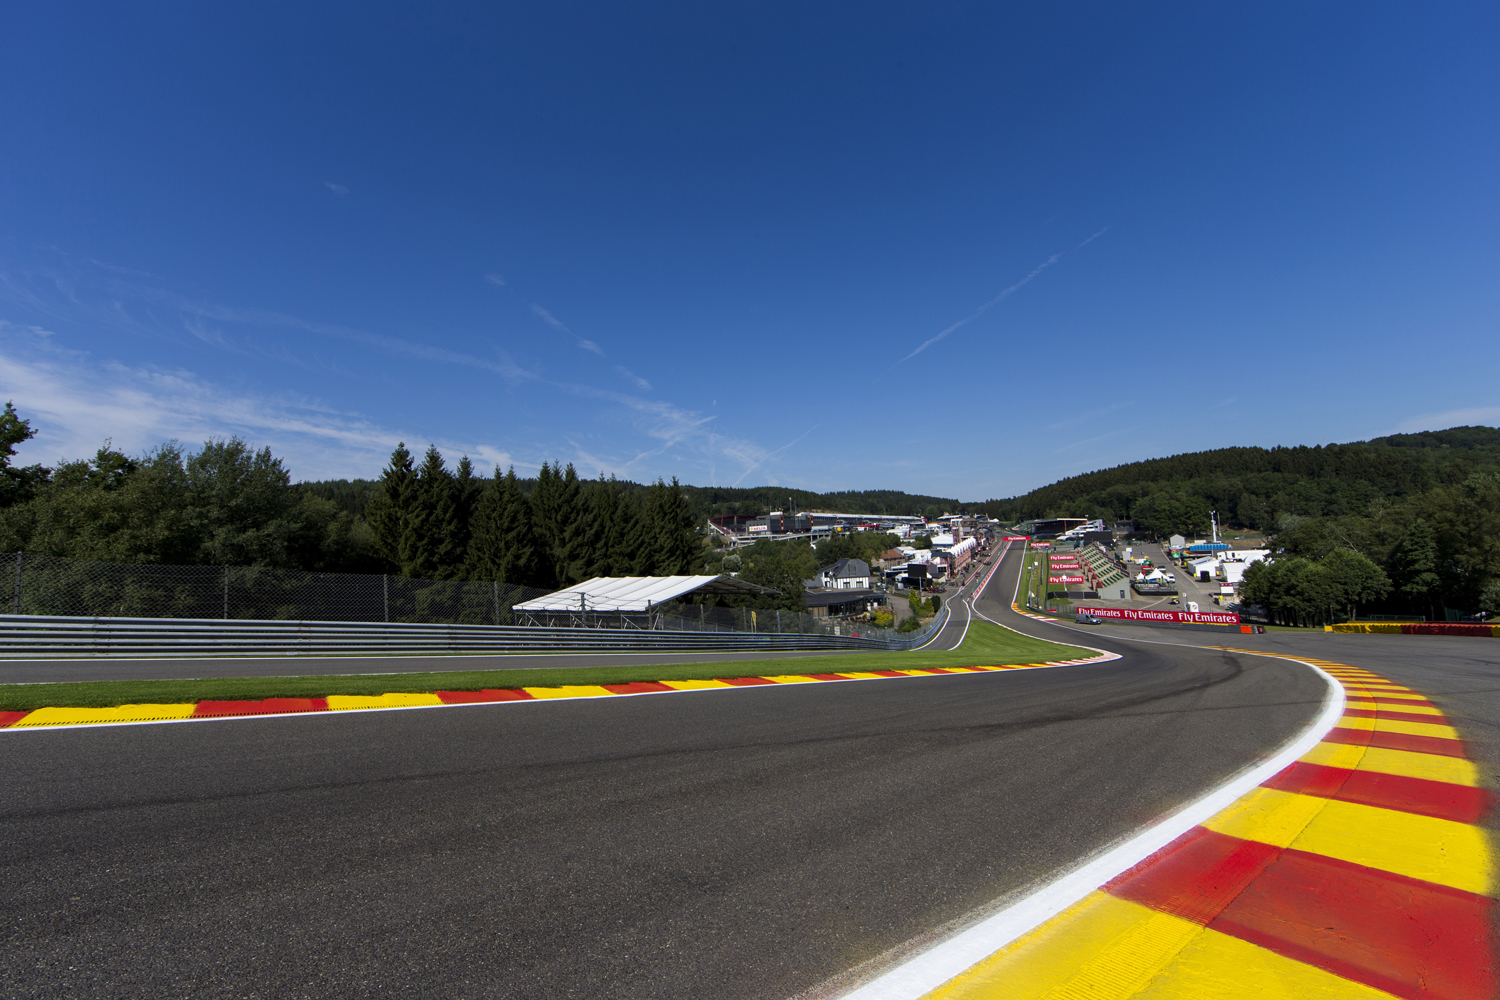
(226, 591)
(385, 595)
(18, 584)
(496, 585)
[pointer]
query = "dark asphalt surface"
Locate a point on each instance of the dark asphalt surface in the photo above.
(1461, 674)
(748, 843)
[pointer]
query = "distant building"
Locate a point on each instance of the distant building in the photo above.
(846, 574)
(840, 603)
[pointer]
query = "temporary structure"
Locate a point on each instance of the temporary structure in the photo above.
(627, 600)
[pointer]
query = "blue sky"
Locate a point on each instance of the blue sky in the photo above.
(954, 248)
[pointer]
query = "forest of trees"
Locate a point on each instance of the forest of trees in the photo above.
(1424, 509)
(230, 504)
(706, 501)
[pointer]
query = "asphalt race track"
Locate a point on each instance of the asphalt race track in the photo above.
(753, 842)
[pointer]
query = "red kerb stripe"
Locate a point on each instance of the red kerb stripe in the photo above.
(746, 681)
(1395, 715)
(1410, 938)
(1397, 741)
(1459, 803)
(480, 697)
(11, 718)
(1407, 937)
(637, 687)
(270, 706)
(1195, 876)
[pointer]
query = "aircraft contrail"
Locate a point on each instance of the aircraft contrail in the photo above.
(1002, 296)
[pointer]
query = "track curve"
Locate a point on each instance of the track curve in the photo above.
(747, 843)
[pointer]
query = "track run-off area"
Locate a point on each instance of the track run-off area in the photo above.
(1198, 815)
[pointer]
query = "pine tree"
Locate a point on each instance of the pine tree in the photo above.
(545, 498)
(570, 545)
(468, 488)
(504, 539)
(592, 534)
(631, 554)
(431, 544)
(391, 507)
(678, 543)
(607, 510)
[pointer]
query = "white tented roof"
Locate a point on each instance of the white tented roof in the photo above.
(637, 593)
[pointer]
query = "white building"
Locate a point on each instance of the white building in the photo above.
(846, 574)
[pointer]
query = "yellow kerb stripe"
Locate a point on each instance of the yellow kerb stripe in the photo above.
(568, 691)
(1375, 706)
(1434, 850)
(793, 679)
(1105, 948)
(1400, 726)
(1226, 968)
(695, 685)
(1428, 766)
(118, 713)
(346, 702)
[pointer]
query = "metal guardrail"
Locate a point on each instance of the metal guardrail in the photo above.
(48, 637)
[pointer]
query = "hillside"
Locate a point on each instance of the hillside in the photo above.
(705, 501)
(1258, 488)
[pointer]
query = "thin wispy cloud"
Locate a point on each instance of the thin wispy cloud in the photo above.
(583, 343)
(113, 301)
(773, 454)
(1005, 294)
(631, 376)
(77, 402)
(1488, 416)
(338, 189)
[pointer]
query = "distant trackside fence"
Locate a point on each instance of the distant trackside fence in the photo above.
(68, 607)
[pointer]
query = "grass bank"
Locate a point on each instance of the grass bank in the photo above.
(985, 645)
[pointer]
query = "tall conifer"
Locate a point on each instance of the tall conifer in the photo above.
(569, 534)
(678, 544)
(630, 552)
(430, 543)
(391, 506)
(468, 488)
(546, 497)
(591, 537)
(503, 547)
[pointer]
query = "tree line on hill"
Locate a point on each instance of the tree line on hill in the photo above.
(1424, 509)
(705, 501)
(230, 504)
(437, 524)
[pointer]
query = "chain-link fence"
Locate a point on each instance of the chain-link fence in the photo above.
(690, 617)
(45, 585)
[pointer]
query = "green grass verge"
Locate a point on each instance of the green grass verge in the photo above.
(986, 645)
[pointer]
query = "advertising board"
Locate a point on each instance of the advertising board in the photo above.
(1130, 614)
(1064, 579)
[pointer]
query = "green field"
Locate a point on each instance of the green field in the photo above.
(985, 645)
